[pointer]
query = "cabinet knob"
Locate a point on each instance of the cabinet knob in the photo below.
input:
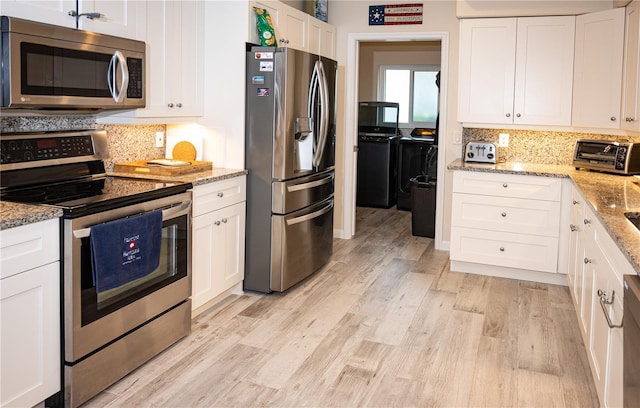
(170, 105)
(573, 228)
(217, 222)
(629, 119)
(179, 105)
(587, 260)
(504, 214)
(224, 220)
(518, 115)
(586, 221)
(602, 293)
(613, 118)
(501, 249)
(220, 194)
(505, 185)
(576, 202)
(508, 115)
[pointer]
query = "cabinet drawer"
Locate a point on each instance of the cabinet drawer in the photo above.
(507, 185)
(29, 246)
(504, 249)
(506, 214)
(211, 197)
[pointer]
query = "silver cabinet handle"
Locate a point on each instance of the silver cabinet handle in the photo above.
(518, 115)
(575, 202)
(613, 118)
(629, 119)
(603, 304)
(501, 249)
(224, 220)
(573, 228)
(179, 105)
(217, 223)
(170, 105)
(505, 185)
(508, 115)
(587, 260)
(586, 221)
(504, 214)
(220, 194)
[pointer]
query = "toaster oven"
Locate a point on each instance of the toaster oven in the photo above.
(607, 156)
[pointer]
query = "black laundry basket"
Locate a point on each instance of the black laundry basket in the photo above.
(423, 206)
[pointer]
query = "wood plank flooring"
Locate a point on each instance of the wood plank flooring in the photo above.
(385, 323)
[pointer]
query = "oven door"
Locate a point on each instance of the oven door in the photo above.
(93, 319)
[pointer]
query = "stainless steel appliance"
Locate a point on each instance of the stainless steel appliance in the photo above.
(377, 154)
(480, 152)
(50, 67)
(106, 333)
(631, 335)
(290, 145)
(607, 156)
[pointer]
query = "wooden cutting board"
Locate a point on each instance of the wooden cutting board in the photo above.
(142, 167)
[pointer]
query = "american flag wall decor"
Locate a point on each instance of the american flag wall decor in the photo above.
(395, 14)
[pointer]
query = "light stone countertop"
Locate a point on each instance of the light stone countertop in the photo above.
(609, 195)
(16, 214)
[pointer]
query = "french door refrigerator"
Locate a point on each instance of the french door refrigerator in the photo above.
(290, 157)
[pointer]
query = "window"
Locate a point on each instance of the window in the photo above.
(414, 88)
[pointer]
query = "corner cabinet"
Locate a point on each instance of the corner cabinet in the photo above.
(119, 17)
(30, 314)
(596, 268)
(175, 65)
(295, 29)
(219, 214)
(516, 70)
(631, 82)
(597, 78)
(506, 225)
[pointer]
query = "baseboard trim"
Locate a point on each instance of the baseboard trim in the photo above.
(510, 273)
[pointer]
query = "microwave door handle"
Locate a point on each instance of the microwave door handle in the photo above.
(118, 60)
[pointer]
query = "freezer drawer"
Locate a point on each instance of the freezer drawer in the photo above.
(302, 242)
(291, 195)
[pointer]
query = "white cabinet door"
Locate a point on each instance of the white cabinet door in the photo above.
(30, 336)
(544, 70)
(487, 70)
(322, 38)
(631, 83)
(218, 252)
(597, 77)
(46, 11)
(175, 64)
(576, 223)
(516, 71)
(119, 17)
(294, 30)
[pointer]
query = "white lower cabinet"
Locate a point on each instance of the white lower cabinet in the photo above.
(597, 270)
(29, 314)
(218, 239)
(505, 221)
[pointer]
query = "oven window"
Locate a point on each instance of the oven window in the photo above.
(173, 266)
(60, 71)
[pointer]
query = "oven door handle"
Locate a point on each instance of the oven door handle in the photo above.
(166, 214)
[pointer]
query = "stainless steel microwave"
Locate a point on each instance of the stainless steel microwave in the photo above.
(58, 68)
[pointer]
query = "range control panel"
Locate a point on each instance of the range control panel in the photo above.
(26, 150)
(480, 152)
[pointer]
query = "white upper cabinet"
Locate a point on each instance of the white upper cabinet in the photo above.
(597, 78)
(118, 17)
(631, 83)
(175, 64)
(516, 70)
(296, 29)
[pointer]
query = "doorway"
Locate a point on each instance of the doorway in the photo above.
(353, 95)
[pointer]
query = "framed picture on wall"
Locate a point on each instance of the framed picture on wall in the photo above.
(321, 10)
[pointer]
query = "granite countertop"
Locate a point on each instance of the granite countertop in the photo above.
(16, 214)
(609, 195)
(200, 178)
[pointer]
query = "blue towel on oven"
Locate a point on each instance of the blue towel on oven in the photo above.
(125, 250)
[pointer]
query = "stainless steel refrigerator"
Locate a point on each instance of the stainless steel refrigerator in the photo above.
(290, 156)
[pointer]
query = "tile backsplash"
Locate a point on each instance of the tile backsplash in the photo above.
(126, 143)
(539, 146)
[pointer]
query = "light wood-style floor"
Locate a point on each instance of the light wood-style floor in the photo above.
(385, 323)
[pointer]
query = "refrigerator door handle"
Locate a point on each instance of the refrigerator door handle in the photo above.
(311, 184)
(311, 99)
(312, 215)
(324, 114)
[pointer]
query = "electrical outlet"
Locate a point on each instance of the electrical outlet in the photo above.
(159, 139)
(457, 138)
(503, 140)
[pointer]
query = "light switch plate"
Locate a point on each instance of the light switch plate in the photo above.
(159, 139)
(503, 140)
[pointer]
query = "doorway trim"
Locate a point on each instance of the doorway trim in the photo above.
(351, 125)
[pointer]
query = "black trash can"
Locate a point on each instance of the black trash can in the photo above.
(423, 206)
